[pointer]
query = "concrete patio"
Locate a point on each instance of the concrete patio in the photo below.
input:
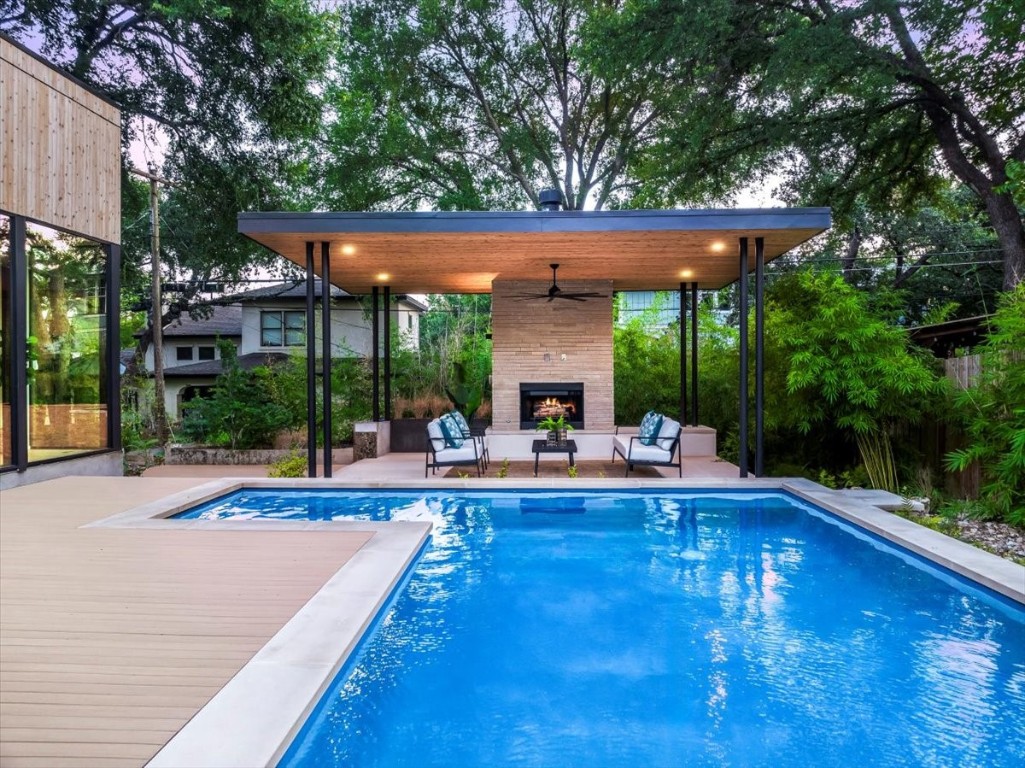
(410, 466)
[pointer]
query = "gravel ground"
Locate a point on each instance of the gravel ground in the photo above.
(1000, 538)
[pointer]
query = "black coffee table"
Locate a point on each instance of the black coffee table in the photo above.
(543, 446)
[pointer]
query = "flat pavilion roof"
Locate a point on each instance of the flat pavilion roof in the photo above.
(463, 252)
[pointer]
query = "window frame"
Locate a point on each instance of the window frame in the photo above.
(296, 331)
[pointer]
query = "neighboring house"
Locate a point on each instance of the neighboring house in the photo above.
(267, 325)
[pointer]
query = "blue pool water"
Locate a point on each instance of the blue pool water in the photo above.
(625, 629)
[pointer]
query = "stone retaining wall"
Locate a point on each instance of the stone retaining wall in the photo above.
(190, 454)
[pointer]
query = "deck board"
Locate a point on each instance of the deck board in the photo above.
(112, 639)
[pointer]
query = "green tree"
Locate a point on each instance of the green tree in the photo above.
(227, 90)
(993, 413)
(872, 98)
(848, 367)
(940, 256)
(477, 105)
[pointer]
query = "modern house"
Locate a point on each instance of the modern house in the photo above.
(60, 229)
(267, 325)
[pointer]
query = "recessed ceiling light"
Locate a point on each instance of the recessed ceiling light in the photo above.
(348, 249)
(718, 246)
(687, 273)
(383, 276)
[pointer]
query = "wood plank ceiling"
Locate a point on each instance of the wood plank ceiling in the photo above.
(465, 253)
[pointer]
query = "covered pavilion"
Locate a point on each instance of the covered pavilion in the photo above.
(389, 253)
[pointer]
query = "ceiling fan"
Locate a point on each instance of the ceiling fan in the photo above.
(555, 292)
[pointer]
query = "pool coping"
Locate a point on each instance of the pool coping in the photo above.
(267, 702)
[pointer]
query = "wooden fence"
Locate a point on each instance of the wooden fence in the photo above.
(963, 372)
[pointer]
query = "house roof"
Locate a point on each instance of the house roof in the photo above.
(295, 290)
(214, 368)
(292, 290)
(223, 321)
(944, 338)
(464, 252)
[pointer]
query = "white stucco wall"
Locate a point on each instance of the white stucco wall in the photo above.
(351, 332)
(171, 345)
(173, 388)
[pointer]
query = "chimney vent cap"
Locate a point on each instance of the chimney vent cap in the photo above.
(551, 199)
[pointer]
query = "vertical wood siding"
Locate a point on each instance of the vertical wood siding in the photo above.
(60, 147)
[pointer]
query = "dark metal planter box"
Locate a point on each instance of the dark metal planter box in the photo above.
(409, 435)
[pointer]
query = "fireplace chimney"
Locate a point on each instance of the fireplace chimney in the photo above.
(551, 199)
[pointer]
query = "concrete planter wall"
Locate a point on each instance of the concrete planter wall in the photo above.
(190, 454)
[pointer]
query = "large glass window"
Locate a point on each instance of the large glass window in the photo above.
(6, 343)
(282, 329)
(67, 344)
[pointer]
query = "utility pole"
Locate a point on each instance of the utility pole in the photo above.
(157, 309)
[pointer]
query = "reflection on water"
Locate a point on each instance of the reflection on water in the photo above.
(685, 629)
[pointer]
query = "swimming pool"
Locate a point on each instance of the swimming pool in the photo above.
(670, 629)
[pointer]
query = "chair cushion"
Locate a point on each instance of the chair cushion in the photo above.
(451, 430)
(650, 426)
(622, 444)
(436, 436)
(670, 431)
(466, 453)
(649, 453)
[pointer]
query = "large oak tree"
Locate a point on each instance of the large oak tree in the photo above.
(474, 105)
(226, 88)
(848, 99)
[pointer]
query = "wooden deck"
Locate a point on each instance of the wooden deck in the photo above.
(112, 639)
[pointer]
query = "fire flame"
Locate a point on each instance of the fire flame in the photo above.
(551, 406)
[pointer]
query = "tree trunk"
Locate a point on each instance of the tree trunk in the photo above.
(1011, 234)
(847, 262)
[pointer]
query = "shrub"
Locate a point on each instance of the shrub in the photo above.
(992, 413)
(292, 465)
(646, 367)
(239, 413)
(849, 368)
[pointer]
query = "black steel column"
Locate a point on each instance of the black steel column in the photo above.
(325, 365)
(683, 353)
(743, 357)
(694, 352)
(112, 289)
(375, 364)
(19, 348)
(759, 354)
(311, 367)
(387, 353)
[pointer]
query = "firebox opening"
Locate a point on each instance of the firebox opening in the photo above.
(538, 401)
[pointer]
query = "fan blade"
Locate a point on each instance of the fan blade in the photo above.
(583, 294)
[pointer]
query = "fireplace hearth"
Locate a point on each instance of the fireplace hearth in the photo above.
(540, 400)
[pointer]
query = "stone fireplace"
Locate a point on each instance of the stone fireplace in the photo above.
(558, 345)
(551, 399)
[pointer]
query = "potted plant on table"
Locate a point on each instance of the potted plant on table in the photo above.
(557, 429)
